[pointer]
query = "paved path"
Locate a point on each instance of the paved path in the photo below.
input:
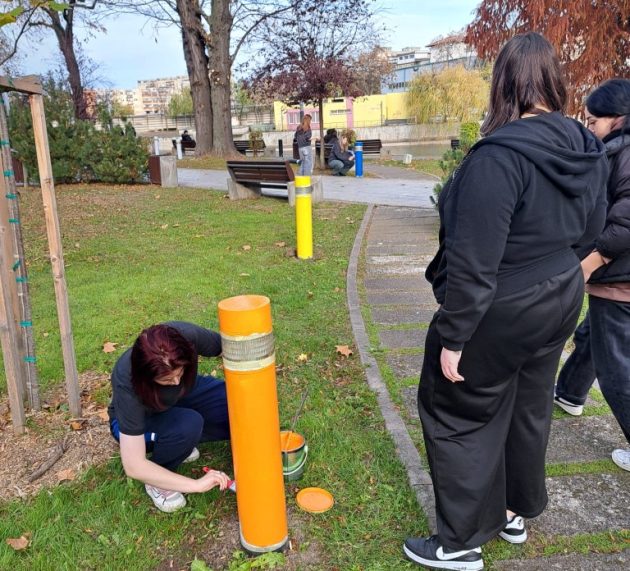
(409, 189)
(396, 244)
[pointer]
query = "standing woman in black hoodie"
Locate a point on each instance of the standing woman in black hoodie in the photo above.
(525, 203)
(603, 338)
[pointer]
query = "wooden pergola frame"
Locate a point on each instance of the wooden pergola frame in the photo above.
(9, 322)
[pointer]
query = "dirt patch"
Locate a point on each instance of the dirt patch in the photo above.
(86, 441)
(217, 552)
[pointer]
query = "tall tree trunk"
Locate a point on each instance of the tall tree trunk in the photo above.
(322, 150)
(194, 43)
(221, 76)
(65, 38)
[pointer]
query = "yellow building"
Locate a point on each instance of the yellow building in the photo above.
(345, 112)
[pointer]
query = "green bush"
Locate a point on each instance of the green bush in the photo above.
(79, 152)
(468, 135)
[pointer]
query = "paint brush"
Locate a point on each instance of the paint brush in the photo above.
(295, 419)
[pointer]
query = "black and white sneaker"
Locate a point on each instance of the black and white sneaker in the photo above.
(569, 407)
(514, 531)
(429, 552)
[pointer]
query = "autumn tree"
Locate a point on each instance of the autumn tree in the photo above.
(455, 93)
(591, 37)
(180, 104)
(314, 56)
(371, 69)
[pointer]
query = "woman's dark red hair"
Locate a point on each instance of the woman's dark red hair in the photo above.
(158, 351)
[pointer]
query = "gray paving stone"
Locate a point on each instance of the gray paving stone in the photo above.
(586, 503)
(573, 562)
(389, 284)
(404, 365)
(413, 338)
(419, 299)
(583, 439)
(406, 315)
(391, 270)
(410, 398)
(401, 250)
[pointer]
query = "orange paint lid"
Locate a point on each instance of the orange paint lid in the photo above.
(315, 500)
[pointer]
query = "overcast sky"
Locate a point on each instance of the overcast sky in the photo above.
(132, 50)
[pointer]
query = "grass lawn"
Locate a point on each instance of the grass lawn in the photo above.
(139, 255)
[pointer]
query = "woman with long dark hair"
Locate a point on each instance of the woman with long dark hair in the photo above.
(162, 406)
(515, 217)
(602, 340)
(303, 138)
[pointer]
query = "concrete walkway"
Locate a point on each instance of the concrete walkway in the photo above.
(397, 244)
(406, 189)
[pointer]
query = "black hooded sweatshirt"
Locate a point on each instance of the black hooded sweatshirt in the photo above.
(525, 205)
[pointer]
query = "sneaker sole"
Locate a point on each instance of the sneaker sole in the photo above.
(569, 409)
(515, 539)
(452, 565)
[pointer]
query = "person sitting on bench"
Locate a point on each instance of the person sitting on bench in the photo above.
(186, 138)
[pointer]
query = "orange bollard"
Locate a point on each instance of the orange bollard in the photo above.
(249, 363)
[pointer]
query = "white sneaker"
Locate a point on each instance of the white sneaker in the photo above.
(165, 500)
(621, 458)
(569, 407)
(194, 455)
(514, 531)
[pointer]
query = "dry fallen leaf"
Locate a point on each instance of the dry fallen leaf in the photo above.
(109, 347)
(76, 424)
(302, 357)
(164, 226)
(246, 247)
(281, 244)
(343, 350)
(68, 474)
(213, 372)
(244, 275)
(103, 415)
(18, 543)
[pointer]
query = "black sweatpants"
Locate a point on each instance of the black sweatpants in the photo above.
(486, 437)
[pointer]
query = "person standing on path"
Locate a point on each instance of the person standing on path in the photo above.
(303, 138)
(162, 406)
(602, 340)
(526, 202)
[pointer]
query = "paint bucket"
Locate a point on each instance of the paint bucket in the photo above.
(294, 453)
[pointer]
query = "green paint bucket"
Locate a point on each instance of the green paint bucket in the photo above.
(294, 453)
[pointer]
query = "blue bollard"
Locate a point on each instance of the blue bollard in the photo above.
(358, 158)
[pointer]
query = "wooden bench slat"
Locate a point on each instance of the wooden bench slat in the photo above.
(259, 173)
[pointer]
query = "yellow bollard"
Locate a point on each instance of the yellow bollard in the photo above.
(304, 217)
(249, 363)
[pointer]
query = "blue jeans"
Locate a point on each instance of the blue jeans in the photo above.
(201, 416)
(602, 343)
(338, 167)
(306, 166)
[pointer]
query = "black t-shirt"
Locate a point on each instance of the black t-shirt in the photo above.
(126, 407)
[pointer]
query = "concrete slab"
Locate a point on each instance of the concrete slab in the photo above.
(575, 562)
(586, 503)
(420, 299)
(413, 338)
(389, 284)
(406, 315)
(583, 439)
(410, 398)
(405, 365)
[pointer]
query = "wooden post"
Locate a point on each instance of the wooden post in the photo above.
(9, 341)
(56, 253)
(10, 208)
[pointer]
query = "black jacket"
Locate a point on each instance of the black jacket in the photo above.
(524, 204)
(614, 241)
(337, 154)
(303, 138)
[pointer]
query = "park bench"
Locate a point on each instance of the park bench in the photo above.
(244, 146)
(186, 145)
(248, 178)
(371, 146)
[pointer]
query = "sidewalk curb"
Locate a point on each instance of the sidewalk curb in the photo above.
(419, 479)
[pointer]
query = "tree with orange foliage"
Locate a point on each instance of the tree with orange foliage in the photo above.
(591, 37)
